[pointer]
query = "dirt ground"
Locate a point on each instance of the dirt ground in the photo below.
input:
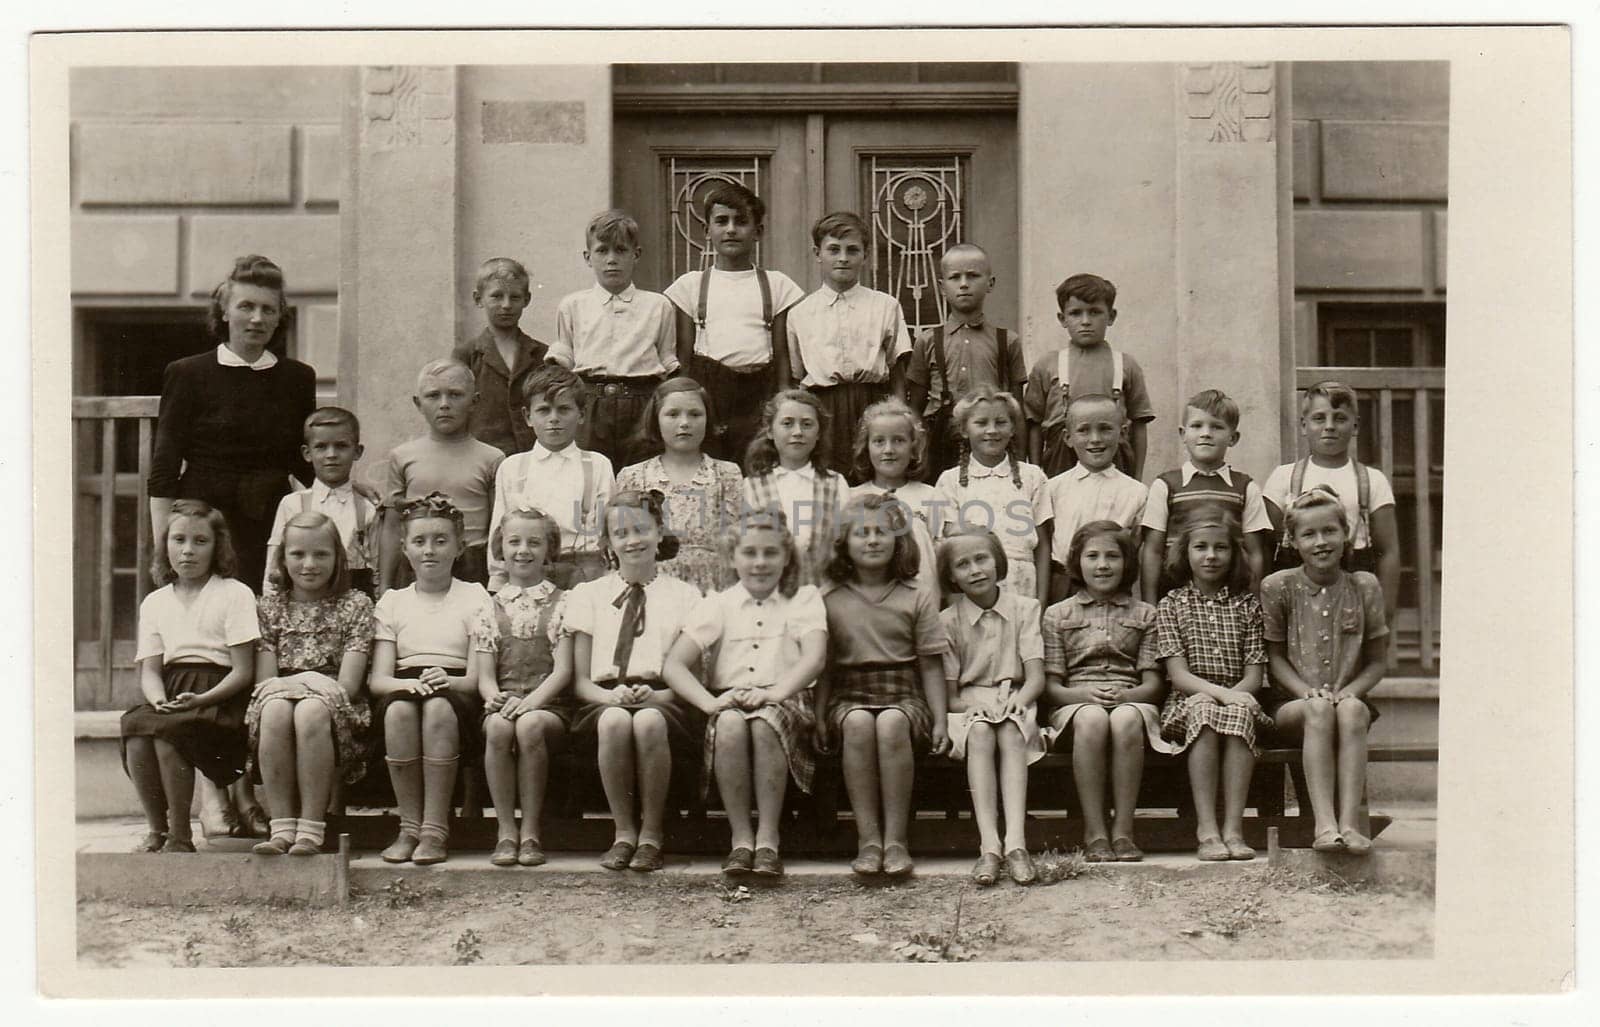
(1091, 914)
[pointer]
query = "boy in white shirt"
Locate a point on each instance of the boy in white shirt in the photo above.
(333, 445)
(732, 321)
(1093, 489)
(569, 484)
(847, 343)
(620, 339)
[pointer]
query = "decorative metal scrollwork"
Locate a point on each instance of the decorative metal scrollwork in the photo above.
(689, 178)
(916, 204)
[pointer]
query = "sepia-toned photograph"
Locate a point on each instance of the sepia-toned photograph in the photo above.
(848, 508)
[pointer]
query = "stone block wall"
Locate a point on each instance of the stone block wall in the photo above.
(176, 171)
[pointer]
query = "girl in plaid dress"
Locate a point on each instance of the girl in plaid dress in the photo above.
(885, 697)
(1208, 634)
(1102, 675)
(763, 641)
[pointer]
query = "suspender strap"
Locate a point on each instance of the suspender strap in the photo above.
(1297, 482)
(942, 367)
(1116, 372)
(1004, 356)
(305, 503)
(1061, 368)
(762, 283)
(587, 502)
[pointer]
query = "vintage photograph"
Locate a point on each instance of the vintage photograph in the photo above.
(820, 510)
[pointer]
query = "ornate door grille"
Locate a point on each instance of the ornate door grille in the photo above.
(916, 205)
(689, 178)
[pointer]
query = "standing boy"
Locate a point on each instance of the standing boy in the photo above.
(620, 339)
(333, 445)
(1092, 489)
(1330, 416)
(448, 460)
(1209, 429)
(1086, 307)
(847, 342)
(965, 352)
(501, 356)
(570, 484)
(732, 321)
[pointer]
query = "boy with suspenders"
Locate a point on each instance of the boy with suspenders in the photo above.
(965, 352)
(1086, 308)
(732, 321)
(333, 445)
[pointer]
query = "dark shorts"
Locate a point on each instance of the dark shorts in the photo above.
(613, 421)
(845, 403)
(738, 396)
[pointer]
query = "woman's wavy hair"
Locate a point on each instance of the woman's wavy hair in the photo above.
(1319, 497)
(945, 555)
(649, 436)
(1176, 561)
(1103, 529)
(251, 269)
(861, 455)
(311, 520)
(652, 502)
(552, 531)
(769, 518)
(762, 454)
(905, 561)
(224, 562)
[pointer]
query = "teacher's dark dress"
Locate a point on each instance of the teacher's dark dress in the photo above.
(231, 436)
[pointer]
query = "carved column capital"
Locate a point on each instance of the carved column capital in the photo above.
(1228, 102)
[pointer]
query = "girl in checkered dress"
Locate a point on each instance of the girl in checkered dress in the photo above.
(1208, 634)
(884, 696)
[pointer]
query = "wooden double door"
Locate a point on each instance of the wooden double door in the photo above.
(923, 182)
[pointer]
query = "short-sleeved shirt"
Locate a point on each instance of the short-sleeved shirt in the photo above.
(972, 355)
(759, 638)
(734, 333)
(594, 608)
(992, 500)
(1090, 370)
(1218, 635)
(436, 629)
(851, 336)
(1089, 641)
(522, 657)
(554, 482)
(629, 334)
(1323, 627)
(865, 629)
(203, 627)
(1079, 496)
(989, 646)
(315, 634)
(351, 514)
(1157, 512)
(462, 469)
(1343, 481)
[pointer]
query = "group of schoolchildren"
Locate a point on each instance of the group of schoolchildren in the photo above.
(682, 615)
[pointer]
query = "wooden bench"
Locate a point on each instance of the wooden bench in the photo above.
(576, 817)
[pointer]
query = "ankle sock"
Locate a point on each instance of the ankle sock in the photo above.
(283, 828)
(310, 830)
(411, 827)
(438, 832)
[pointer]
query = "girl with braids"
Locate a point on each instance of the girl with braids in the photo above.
(991, 488)
(787, 467)
(622, 627)
(432, 652)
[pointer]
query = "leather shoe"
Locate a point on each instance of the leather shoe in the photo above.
(1356, 843)
(986, 871)
(151, 842)
(272, 846)
(1020, 866)
(178, 845)
(305, 847)
(1126, 851)
(430, 849)
(646, 858)
(767, 863)
(505, 853)
(739, 861)
(1213, 850)
(1098, 850)
(868, 861)
(1237, 849)
(897, 861)
(529, 854)
(617, 857)
(1328, 841)
(401, 849)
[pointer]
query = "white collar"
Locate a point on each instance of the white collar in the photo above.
(1190, 470)
(975, 469)
(742, 597)
(606, 295)
(848, 296)
(321, 490)
(970, 612)
(567, 452)
(537, 592)
(805, 470)
(228, 358)
(1080, 472)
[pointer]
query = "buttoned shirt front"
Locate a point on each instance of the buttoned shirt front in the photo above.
(972, 357)
(629, 334)
(1079, 496)
(1218, 634)
(340, 505)
(796, 489)
(553, 482)
(756, 639)
(992, 500)
(989, 646)
(850, 336)
(1089, 641)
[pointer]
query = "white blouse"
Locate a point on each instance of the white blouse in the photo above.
(223, 614)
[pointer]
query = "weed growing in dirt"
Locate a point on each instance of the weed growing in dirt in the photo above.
(468, 947)
(237, 926)
(402, 894)
(741, 893)
(954, 946)
(190, 953)
(1321, 882)
(1055, 865)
